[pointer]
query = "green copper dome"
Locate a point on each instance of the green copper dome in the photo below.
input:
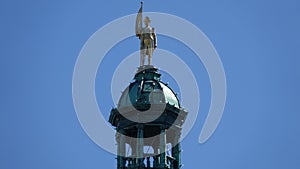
(148, 101)
(147, 89)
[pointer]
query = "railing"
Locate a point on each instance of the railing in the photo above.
(149, 162)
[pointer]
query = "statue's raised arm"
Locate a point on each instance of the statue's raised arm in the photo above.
(138, 22)
(146, 35)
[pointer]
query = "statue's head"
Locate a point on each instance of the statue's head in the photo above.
(147, 20)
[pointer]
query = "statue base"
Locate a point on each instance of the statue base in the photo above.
(146, 68)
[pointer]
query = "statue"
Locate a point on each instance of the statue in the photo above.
(147, 37)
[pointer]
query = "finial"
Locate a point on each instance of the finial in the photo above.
(142, 2)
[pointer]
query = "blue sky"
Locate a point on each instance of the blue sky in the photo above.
(257, 41)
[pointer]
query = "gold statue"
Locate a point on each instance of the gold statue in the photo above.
(147, 37)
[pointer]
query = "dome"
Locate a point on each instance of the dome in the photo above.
(147, 89)
(149, 101)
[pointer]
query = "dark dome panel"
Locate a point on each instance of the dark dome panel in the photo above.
(148, 89)
(170, 96)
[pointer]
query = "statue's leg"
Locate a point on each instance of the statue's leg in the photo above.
(149, 58)
(142, 57)
(150, 52)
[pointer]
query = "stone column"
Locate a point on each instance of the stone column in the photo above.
(140, 145)
(121, 150)
(134, 151)
(176, 154)
(176, 151)
(148, 162)
(155, 157)
(162, 148)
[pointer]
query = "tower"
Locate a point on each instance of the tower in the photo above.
(148, 120)
(148, 117)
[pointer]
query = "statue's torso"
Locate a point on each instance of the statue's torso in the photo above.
(147, 33)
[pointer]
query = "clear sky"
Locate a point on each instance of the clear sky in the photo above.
(258, 43)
